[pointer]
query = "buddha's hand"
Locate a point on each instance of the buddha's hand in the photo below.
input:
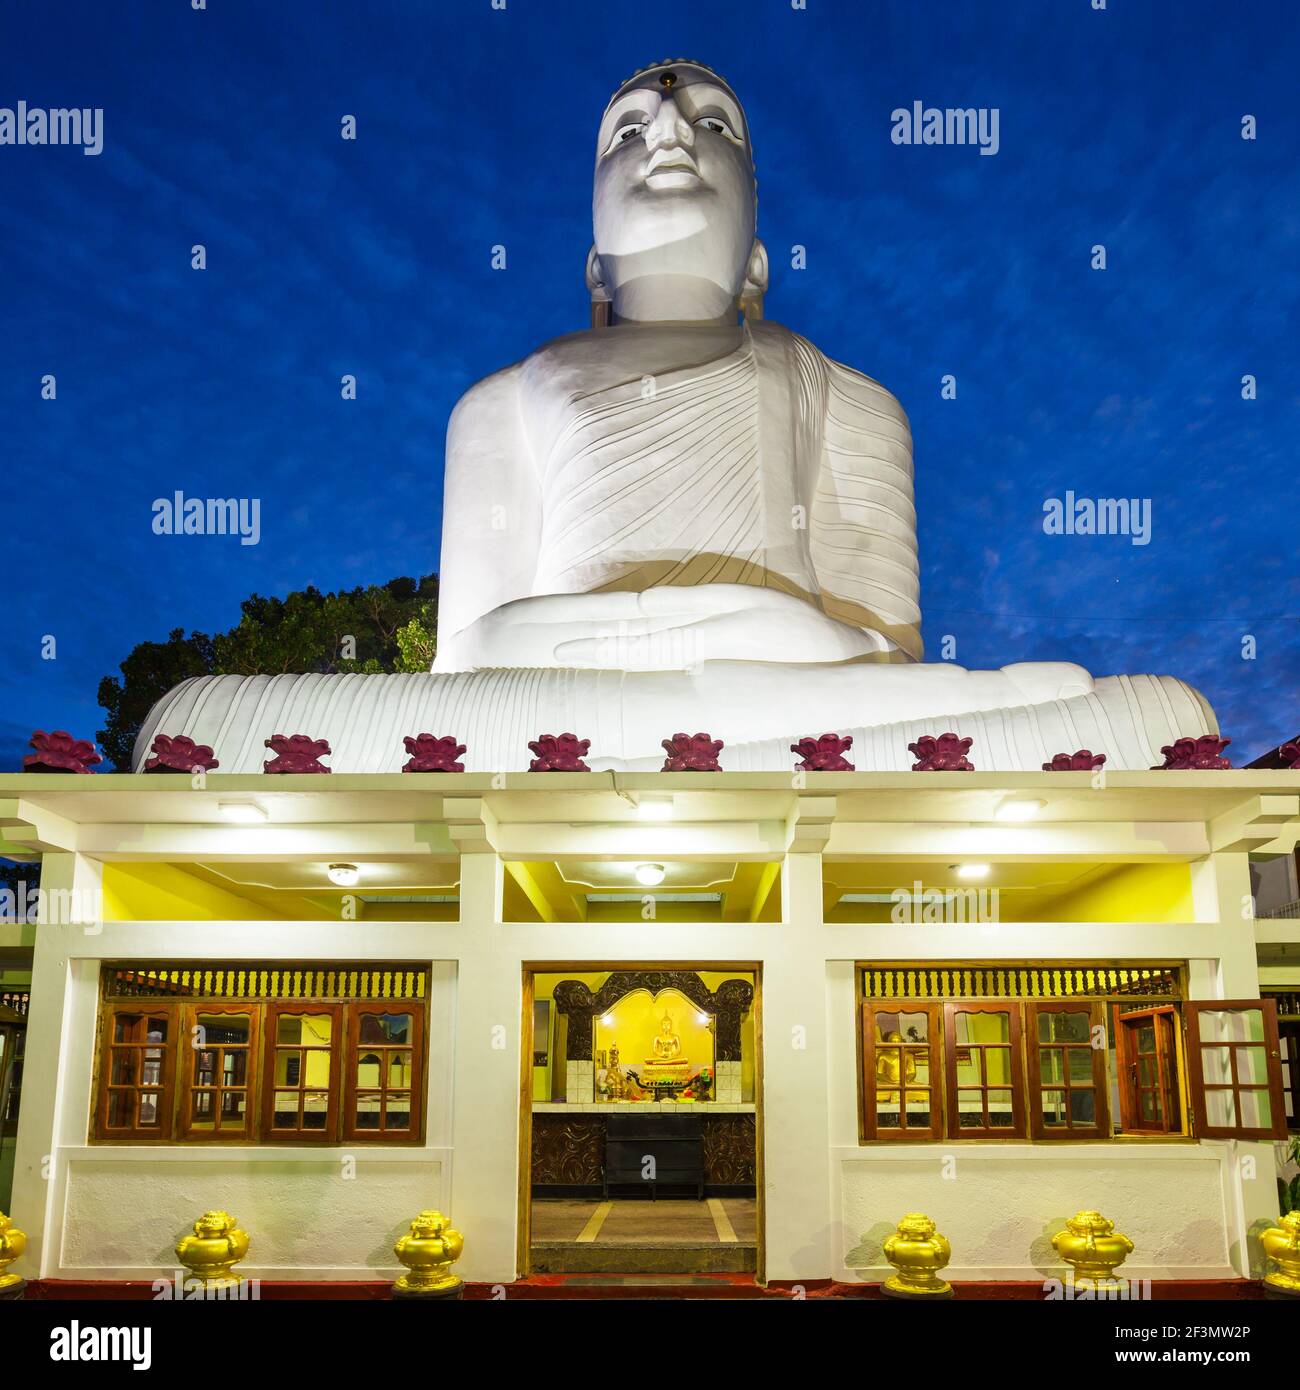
(670, 628)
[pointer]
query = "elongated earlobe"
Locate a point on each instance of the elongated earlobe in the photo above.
(601, 306)
(755, 286)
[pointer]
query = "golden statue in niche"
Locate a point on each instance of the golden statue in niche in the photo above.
(667, 1046)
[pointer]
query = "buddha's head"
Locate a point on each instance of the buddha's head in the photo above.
(675, 199)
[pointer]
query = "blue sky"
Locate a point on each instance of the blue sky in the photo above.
(476, 127)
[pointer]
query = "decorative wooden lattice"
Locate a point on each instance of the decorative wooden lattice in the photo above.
(252, 980)
(1021, 982)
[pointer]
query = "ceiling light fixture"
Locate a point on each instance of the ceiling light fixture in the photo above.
(651, 875)
(1019, 810)
(345, 875)
(655, 808)
(972, 870)
(242, 812)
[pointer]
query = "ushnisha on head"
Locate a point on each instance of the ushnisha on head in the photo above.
(675, 202)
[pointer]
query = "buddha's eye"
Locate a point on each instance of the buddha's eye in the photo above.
(718, 125)
(627, 132)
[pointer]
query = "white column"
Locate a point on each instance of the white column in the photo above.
(796, 1174)
(486, 1091)
(57, 992)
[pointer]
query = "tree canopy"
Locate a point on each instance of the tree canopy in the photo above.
(378, 627)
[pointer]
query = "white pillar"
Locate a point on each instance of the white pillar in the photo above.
(486, 1091)
(57, 992)
(796, 1174)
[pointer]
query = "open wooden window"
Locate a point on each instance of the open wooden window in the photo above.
(218, 1060)
(1146, 1060)
(303, 1052)
(137, 1072)
(985, 1076)
(382, 1091)
(1066, 1056)
(1288, 1037)
(1235, 1067)
(902, 1063)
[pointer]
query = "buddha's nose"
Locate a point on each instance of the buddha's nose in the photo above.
(669, 127)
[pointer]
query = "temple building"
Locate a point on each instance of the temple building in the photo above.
(873, 936)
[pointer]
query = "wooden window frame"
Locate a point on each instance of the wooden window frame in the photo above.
(275, 1009)
(1173, 1069)
(1038, 1126)
(186, 1130)
(1013, 1009)
(904, 1133)
(352, 1050)
(1290, 1068)
(1272, 1059)
(163, 1131)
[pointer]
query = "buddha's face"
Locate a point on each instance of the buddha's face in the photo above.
(674, 202)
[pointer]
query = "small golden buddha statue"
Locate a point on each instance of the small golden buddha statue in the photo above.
(667, 1047)
(615, 1082)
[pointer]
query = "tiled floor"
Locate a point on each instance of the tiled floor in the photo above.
(571, 1233)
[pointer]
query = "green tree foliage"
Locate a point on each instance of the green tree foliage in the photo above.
(380, 627)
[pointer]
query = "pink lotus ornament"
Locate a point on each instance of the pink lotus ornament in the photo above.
(824, 754)
(429, 754)
(1082, 761)
(691, 753)
(1290, 755)
(947, 753)
(180, 754)
(1194, 754)
(559, 753)
(60, 752)
(296, 753)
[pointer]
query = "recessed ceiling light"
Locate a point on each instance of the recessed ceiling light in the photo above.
(345, 875)
(244, 812)
(650, 874)
(972, 870)
(655, 808)
(1019, 809)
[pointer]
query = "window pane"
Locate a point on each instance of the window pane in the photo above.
(1063, 1027)
(1256, 1108)
(369, 1108)
(1050, 1065)
(1083, 1107)
(148, 1112)
(1220, 1109)
(311, 1030)
(397, 1112)
(120, 1104)
(1216, 1065)
(1232, 1025)
(122, 1071)
(1000, 1115)
(201, 1107)
(315, 1110)
(385, 1028)
(1081, 1064)
(368, 1069)
(1054, 1108)
(399, 1071)
(1252, 1066)
(285, 1110)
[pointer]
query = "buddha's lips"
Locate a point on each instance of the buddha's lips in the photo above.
(671, 162)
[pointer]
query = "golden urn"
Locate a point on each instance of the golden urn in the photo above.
(1093, 1249)
(12, 1244)
(211, 1253)
(918, 1252)
(1282, 1245)
(428, 1250)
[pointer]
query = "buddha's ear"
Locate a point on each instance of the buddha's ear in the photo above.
(600, 301)
(755, 286)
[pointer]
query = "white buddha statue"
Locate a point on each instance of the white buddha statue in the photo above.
(685, 517)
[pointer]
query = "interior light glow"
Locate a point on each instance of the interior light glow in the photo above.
(345, 875)
(655, 808)
(972, 870)
(651, 875)
(1019, 810)
(242, 812)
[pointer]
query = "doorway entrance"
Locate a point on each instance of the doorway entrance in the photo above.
(641, 1120)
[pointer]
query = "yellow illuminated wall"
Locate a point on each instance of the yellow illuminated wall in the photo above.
(163, 892)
